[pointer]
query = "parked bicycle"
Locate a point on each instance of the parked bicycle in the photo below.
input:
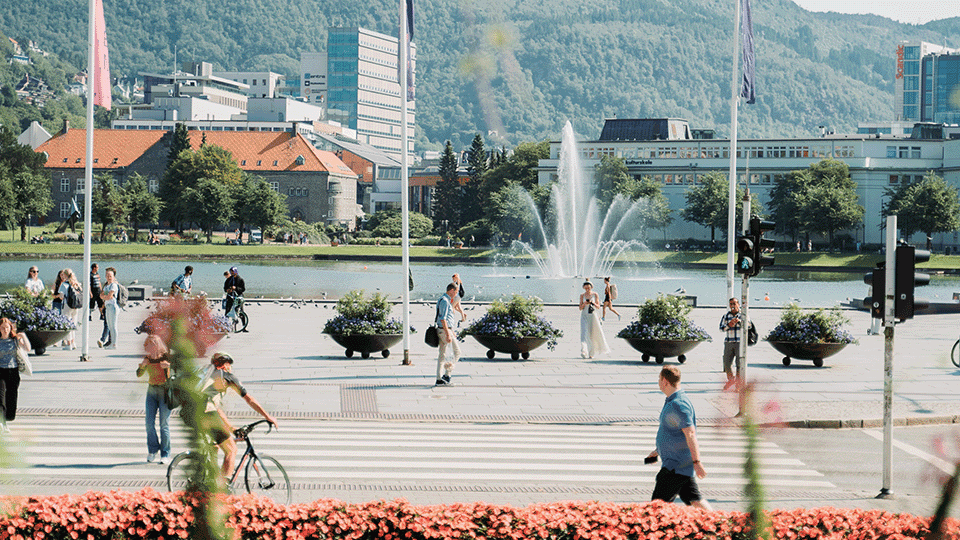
(239, 320)
(955, 353)
(262, 474)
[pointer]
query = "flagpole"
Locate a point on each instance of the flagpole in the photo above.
(734, 104)
(404, 181)
(88, 188)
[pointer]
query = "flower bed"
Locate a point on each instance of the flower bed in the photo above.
(202, 327)
(359, 315)
(515, 319)
(664, 318)
(814, 326)
(151, 515)
(31, 313)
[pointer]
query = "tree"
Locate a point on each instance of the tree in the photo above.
(708, 203)
(471, 207)
(209, 162)
(654, 208)
(21, 169)
(180, 141)
(521, 167)
(208, 204)
(446, 195)
(109, 206)
(930, 206)
(389, 224)
(612, 177)
(142, 206)
(787, 198)
(511, 213)
(260, 205)
(830, 203)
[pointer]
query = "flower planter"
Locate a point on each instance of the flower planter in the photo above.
(806, 351)
(41, 339)
(367, 343)
(516, 347)
(662, 348)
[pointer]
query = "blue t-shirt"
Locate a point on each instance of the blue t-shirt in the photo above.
(445, 311)
(676, 415)
(8, 353)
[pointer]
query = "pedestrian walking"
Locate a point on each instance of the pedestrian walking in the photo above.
(157, 367)
(57, 303)
(455, 301)
(33, 283)
(447, 338)
(70, 289)
(184, 282)
(95, 289)
(10, 340)
(592, 340)
(677, 446)
(110, 308)
(609, 295)
(731, 323)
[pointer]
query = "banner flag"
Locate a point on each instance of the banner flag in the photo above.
(408, 40)
(747, 87)
(101, 62)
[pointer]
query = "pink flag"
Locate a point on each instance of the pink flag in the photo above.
(101, 61)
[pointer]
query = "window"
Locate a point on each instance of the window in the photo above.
(80, 183)
(904, 152)
(65, 210)
(891, 151)
(153, 185)
(64, 185)
(275, 162)
(259, 162)
(894, 179)
(243, 162)
(915, 152)
(275, 186)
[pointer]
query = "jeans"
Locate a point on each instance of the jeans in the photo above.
(9, 386)
(155, 404)
(112, 313)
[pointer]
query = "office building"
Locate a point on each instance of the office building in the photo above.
(261, 84)
(926, 83)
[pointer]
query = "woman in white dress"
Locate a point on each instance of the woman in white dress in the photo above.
(592, 341)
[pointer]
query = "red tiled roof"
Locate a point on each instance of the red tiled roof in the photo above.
(272, 151)
(112, 148)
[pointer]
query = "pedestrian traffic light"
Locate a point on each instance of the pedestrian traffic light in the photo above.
(745, 261)
(877, 281)
(906, 279)
(757, 228)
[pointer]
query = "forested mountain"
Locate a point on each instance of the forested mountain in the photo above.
(523, 67)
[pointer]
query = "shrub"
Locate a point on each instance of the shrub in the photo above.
(31, 313)
(361, 315)
(666, 318)
(517, 318)
(815, 326)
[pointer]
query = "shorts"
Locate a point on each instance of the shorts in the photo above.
(671, 484)
(217, 431)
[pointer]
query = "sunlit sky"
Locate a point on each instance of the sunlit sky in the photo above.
(908, 11)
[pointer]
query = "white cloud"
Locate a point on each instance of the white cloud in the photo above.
(908, 11)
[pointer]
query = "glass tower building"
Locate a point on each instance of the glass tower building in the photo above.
(927, 83)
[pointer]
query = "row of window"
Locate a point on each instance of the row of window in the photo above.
(903, 152)
(200, 128)
(713, 152)
(298, 192)
(153, 185)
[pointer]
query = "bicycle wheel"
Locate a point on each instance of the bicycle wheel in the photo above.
(955, 354)
(180, 471)
(265, 476)
(242, 324)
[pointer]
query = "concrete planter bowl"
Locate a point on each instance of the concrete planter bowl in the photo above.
(660, 349)
(367, 343)
(41, 339)
(516, 347)
(806, 351)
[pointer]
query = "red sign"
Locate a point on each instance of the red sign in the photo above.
(899, 61)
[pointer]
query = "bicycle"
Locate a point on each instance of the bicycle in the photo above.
(262, 475)
(955, 353)
(240, 320)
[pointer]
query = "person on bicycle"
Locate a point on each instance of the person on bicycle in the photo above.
(221, 380)
(234, 287)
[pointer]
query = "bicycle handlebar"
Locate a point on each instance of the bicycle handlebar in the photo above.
(242, 432)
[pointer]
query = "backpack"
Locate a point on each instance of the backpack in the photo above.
(122, 296)
(74, 299)
(613, 291)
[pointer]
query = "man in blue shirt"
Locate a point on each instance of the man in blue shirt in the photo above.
(445, 323)
(184, 283)
(677, 445)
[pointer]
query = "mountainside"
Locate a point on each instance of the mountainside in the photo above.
(522, 68)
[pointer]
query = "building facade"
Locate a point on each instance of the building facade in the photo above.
(876, 162)
(358, 80)
(261, 84)
(927, 76)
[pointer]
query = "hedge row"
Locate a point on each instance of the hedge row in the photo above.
(151, 515)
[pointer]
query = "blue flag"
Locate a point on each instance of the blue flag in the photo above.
(748, 85)
(408, 6)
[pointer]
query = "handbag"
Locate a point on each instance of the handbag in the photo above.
(432, 336)
(752, 336)
(23, 360)
(171, 392)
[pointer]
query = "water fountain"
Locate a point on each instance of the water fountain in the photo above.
(583, 243)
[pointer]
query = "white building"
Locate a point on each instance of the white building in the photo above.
(262, 84)
(876, 162)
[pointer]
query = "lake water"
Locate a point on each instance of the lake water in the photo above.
(327, 279)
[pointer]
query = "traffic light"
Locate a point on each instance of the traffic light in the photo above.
(877, 280)
(757, 228)
(745, 255)
(906, 279)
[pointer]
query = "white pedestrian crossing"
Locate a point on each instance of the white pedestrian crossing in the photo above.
(398, 453)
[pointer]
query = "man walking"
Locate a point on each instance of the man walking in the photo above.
(677, 445)
(447, 339)
(184, 283)
(95, 290)
(731, 323)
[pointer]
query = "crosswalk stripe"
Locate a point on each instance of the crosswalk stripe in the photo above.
(383, 452)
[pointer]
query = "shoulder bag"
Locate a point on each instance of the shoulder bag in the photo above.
(432, 336)
(23, 359)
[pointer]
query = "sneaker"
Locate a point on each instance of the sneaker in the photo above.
(618, 316)
(729, 384)
(73, 347)
(151, 457)
(441, 382)
(4, 428)
(162, 460)
(110, 347)
(446, 378)
(100, 343)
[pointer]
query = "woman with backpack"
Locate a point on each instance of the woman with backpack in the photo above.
(609, 295)
(71, 300)
(111, 291)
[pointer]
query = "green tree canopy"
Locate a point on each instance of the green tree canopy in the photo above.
(109, 205)
(930, 206)
(830, 202)
(389, 224)
(708, 203)
(24, 181)
(143, 207)
(185, 172)
(208, 204)
(446, 195)
(258, 204)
